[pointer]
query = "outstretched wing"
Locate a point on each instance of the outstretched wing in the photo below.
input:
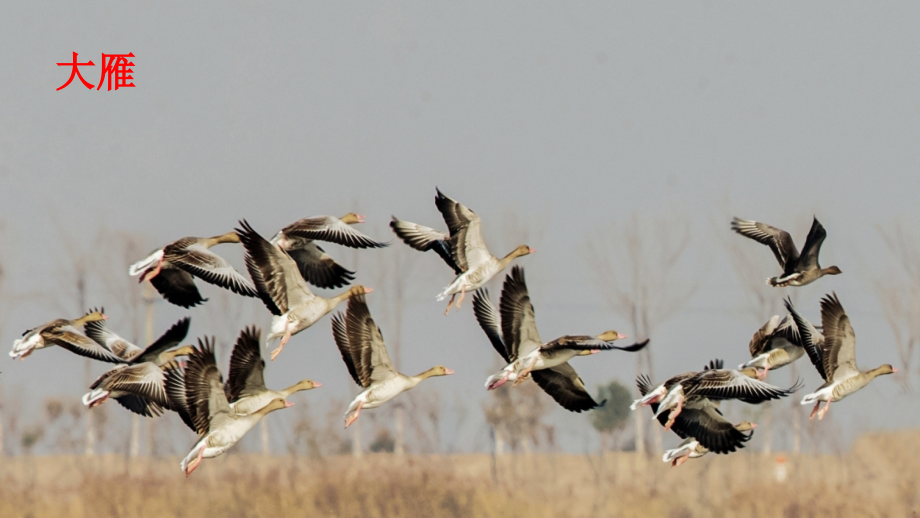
(331, 229)
(487, 316)
(590, 343)
(246, 366)
(563, 385)
(713, 431)
(808, 333)
(275, 274)
(177, 287)
(732, 384)
(204, 389)
(839, 350)
(424, 238)
(71, 339)
(519, 327)
(318, 268)
(350, 356)
(778, 240)
(466, 244)
(168, 340)
(200, 261)
(364, 334)
(816, 237)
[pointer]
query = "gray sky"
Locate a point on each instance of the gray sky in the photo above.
(570, 116)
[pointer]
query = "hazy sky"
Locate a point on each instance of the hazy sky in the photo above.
(572, 117)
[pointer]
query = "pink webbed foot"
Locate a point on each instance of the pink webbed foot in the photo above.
(824, 410)
(449, 304)
(351, 418)
(284, 340)
(462, 295)
(680, 460)
(814, 411)
(195, 462)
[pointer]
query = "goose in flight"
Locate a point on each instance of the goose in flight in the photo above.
(316, 266)
(197, 393)
(463, 249)
(283, 290)
(525, 350)
(139, 383)
(64, 333)
(798, 269)
(835, 357)
(365, 355)
(172, 269)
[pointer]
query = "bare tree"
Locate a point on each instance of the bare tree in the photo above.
(114, 254)
(635, 265)
(74, 268)
(898, 291)
(394, 276)
(515, 415)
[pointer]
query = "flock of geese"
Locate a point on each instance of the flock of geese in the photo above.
(151, 380)
(688, 403)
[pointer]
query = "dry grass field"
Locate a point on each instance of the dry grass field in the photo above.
(879, 476)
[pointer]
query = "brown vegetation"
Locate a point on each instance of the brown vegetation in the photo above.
(876, 478)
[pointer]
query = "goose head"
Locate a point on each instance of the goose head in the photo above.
(745, 426)
(610, 336)
(351, 218)
(882, 370)
(832, 270)
(358, 290)
(438, 370)
(300, 385)
(522, 250)
(275, 404)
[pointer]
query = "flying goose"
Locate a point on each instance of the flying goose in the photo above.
(139, 383)
(64, 333)
(299, 240)
(245, 387)
(463, 250)
(200, 399)
(526, 352)
(283, 290)
(776, 344)
(798, 270)
(701, 425)
(835, 358)
(171, 270)
(714, 383)
(690, 448)
(365, 355)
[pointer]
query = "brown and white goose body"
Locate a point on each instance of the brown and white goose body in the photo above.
(200, 399)
(798, 269)
(171, 270)
(463, 249)
(245, 387)
(526, 352)
(283, 290)
(64, 333)
(835, 358)
(701, 425)
(777, 344)
(365, 355)
(138, 384)
(714, 384)
(319, 269)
